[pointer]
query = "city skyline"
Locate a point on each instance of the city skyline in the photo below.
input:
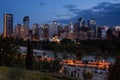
(105, 12)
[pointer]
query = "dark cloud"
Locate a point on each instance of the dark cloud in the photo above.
(69, 6)
(69, 15)
(105, 13)
(72, 8)
(42, 4)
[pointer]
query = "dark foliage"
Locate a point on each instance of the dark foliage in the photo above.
(114, 71)
(29, 56)
(9, 55)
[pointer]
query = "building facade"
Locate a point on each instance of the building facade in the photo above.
(92, 28)
(17, 30)
(8, 25)
(26, 21)
(53, 30)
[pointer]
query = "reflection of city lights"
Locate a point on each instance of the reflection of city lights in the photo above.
(78, 42)
(78, 63)
(56, 39)
(45, 56)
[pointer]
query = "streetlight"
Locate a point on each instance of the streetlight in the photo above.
(1, 49)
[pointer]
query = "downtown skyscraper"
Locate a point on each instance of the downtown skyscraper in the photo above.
(25, 28)
(8, 25)
(22, 30)
(81, 24)
(92, 25)
(26, 21)
(53, 29)
(92, 28)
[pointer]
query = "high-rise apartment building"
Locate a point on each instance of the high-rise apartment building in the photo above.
(8, 25)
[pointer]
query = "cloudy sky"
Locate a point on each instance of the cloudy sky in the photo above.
(106, 12)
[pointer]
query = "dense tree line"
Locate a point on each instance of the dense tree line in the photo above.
(10, 57)
(80, 47)
(29, 56)
(114, 70)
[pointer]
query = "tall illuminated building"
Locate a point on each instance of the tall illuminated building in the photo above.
(26, 21)
(8, 25)
(76, 31)
(17, 30)
(35, 31)
(60, 30)
(92, 27)
(53, 29)
(24, 32)
(71, 29)
(46, 31)
(25, 27)
(81, 29)
(21, 31)
(81, 24)
(41, 33)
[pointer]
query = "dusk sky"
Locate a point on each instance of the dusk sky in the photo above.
(106, 12)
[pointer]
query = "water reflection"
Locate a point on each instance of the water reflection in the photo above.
(23, 50)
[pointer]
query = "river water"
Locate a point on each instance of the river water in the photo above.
(23, 50)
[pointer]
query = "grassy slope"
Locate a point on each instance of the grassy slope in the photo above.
(19, 74)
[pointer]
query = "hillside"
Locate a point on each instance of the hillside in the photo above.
(20, 74)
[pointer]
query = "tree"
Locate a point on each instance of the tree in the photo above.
(105, 55)
(44, 66)
(20, 62)
(109, 34)
(29, 57)
(56, 66)
(8, 52)
(79, 54)
(64, 55)
(87, 75)
(98, 55)
(114, 70)
(55, 54)
(45, 56)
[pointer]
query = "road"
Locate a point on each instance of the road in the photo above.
(77, 71)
